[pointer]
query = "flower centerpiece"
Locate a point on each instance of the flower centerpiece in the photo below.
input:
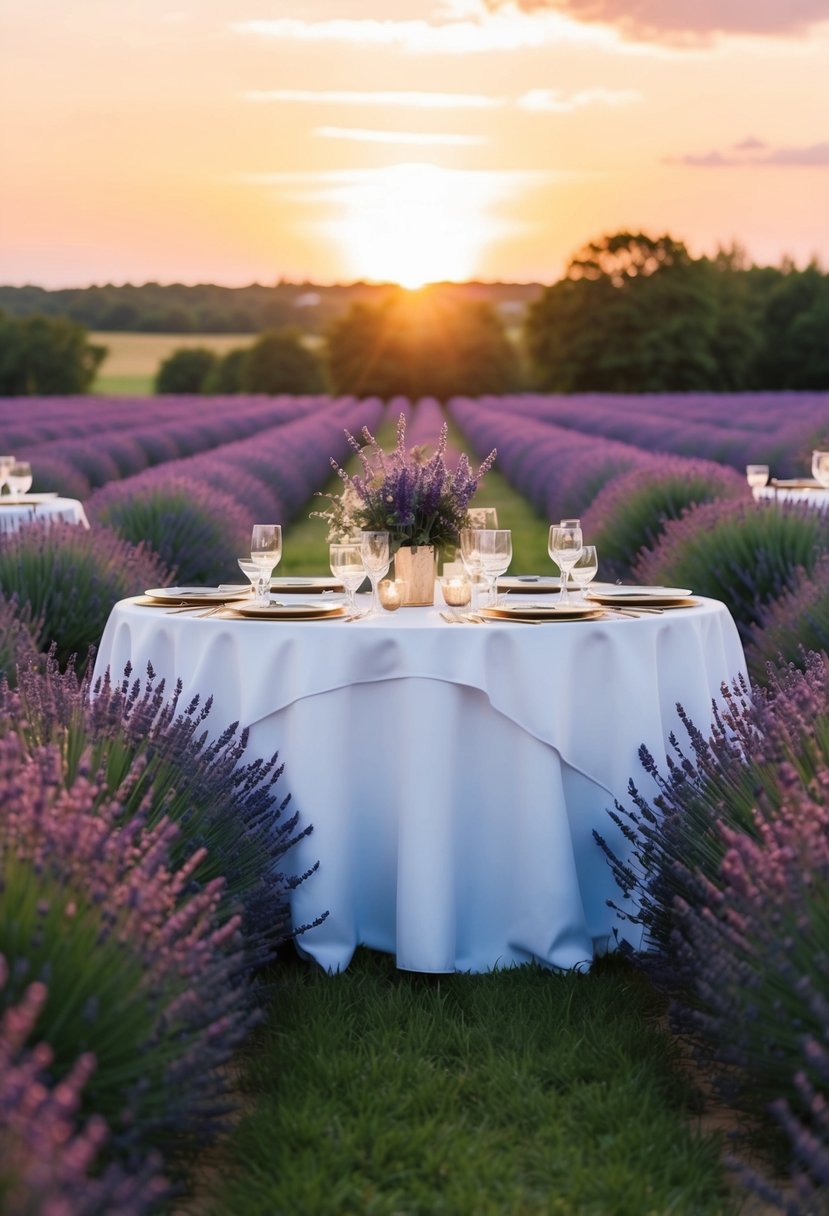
(416, 498)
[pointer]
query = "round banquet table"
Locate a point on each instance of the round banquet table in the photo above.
(16, 513)
(453, 774)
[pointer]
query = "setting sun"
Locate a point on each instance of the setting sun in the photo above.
(413, 224)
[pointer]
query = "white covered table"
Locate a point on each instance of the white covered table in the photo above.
(453, 774)
(811, 495)
(16, 513)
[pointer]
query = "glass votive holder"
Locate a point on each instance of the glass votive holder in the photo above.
(392, 593)
(456, 590)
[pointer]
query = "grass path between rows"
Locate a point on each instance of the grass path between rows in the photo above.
(517, 1093)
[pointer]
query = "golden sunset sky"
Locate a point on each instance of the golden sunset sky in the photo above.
(238, 141)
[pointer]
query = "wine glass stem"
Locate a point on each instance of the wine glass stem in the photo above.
(375, 599)
(563, 596)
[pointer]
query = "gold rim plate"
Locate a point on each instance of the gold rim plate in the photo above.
(543, 612)
(193, 595)
(289, 612)
(645, 601)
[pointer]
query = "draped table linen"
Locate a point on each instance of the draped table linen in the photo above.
(14, 516)
(453, 774)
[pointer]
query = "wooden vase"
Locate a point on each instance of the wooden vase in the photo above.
(418, 568)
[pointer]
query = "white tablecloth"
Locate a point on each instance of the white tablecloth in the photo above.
(16, 515)
(817, 498)
(453, 774)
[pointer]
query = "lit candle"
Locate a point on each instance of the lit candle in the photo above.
(456, 591)
(392, 593)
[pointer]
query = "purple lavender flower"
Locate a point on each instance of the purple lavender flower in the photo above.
(417, 499)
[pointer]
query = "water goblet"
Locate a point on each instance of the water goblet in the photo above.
(265, 553)
(820, 468)
(374, 550)
(495, 548)
(757, 476)
(471, 558)
(564, 546)
(6, 463)
(346, 563)
(19, 477)
(583, 571)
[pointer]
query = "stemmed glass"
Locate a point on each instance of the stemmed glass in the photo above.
(583, 571)
(19, 477)
(820, 467)
(346, 561)
(6, 463)
(495, 548)
(564, 546)
(374, 550)
(471, 558)
(757, 476)
(265, 553)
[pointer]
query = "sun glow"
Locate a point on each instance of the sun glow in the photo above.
(414, 223)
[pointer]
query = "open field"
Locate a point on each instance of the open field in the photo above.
(134, 359)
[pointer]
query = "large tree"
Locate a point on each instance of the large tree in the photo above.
(635, 313)
(44, 356)
(421, 344)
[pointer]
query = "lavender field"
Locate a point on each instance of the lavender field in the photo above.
(146, 873)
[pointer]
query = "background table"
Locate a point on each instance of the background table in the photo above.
(812, 496)
(17, 513)
(453, 773)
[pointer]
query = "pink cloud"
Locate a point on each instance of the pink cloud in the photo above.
(695, 20)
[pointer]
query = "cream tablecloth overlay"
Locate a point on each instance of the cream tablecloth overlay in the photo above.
(453, 774)
(14, 517)
(817, 498)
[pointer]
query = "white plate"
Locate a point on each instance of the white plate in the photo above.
(288, 583)
(542, 612)
(195, 594)
(290, 612)
(530, 584)
(614, 592)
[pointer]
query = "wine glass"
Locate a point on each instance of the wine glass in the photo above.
(251, 572)
(346, 561)
(374, 550)
(564, 546)
(583, 571)
(19, 477)
(6, 463)
(757, 475)
(820, 467)
(495, 548)
(471, 558)
(265, 553)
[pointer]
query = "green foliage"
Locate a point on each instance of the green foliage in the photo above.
(636, 314)
(279, 362)
(186, 370)
(792, 625)
(42, 356)
(421, 345)
(229, 373)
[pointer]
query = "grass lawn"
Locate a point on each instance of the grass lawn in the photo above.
(516, 1093)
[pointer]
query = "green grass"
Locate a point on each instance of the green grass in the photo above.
(516, 1093)
(133, 359)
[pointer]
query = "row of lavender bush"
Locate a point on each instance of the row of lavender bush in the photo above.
(777, 429)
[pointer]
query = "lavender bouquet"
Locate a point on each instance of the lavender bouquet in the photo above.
(414, 497)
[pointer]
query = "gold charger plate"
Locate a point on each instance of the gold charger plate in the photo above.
(542, 612)
(288, 612)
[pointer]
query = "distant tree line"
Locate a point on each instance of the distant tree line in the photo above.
(632, 313)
